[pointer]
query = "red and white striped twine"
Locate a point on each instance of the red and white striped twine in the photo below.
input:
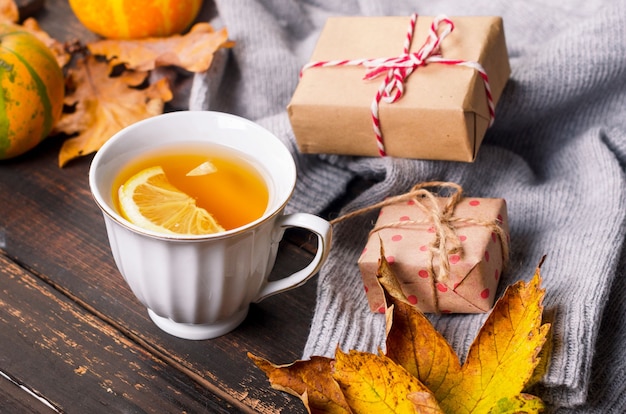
(397, 69)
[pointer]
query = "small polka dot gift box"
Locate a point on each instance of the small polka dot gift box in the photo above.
(448, 253)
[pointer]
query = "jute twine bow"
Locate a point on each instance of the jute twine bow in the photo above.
(446, 241)
(397, 70)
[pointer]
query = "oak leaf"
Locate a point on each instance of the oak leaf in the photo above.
(193, 51)
(104, 104)
(420, 366)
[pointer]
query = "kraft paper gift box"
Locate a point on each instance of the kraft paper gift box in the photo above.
(443, 113)
(475, 271)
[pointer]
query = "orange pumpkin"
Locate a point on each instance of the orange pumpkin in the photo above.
(32, 89)
(124, 19)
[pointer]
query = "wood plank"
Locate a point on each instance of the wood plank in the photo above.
(75, 360)
(18, 398)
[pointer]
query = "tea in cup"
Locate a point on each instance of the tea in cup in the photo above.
(219, 180)
(237, 178)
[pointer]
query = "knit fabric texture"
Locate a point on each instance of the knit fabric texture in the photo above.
(556, 153)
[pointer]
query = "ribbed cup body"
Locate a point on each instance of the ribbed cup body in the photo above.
(195, 282)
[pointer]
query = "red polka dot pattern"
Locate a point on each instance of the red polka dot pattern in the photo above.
(475, 270)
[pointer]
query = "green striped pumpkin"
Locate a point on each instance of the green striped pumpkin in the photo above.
(32, 91)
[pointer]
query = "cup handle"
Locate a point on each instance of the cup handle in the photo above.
(323, 230)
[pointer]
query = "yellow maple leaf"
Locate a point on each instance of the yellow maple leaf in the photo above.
(500, 362)
(376, 384)
(192, 51)
(103, 105)
(504, 355)
(421, 372)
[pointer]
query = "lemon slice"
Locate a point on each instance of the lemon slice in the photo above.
(148, 200)
(205, 168)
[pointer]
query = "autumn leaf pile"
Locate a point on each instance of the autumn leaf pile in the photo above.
(108, 83)
(420, 372)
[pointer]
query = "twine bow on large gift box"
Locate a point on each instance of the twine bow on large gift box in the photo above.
(448, 253)
(435, 101)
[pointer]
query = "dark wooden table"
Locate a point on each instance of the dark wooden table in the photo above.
(74, 339)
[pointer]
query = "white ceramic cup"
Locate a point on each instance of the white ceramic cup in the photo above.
(200, 287)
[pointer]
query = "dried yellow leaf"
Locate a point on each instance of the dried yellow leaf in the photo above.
(505, 353)
(422, 373)
(375, 384)
(522, 403)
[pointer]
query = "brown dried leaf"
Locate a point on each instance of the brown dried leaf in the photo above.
(192, 51)
(388, 280)
(57, 48)
(104, 105)
(310, 380)
(9, 13)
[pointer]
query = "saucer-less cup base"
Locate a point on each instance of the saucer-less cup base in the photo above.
(199, 331)
(200, 287)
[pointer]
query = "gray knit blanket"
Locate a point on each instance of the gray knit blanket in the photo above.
(556, 153)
